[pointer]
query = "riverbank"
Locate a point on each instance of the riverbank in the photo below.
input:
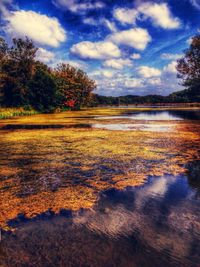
(9, 113)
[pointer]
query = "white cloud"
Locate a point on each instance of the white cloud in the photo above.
(189, 41)
(40, 28)
(169, 56)
(77, 6)
(108, 73)
(149, 81)
(77, 64)
(171, 67)
(96, 50)
(160, 15)
(45, 55)
(135, 56)
(125, 15)
(105, 73)
(118, 63)
(137, 38)
(90, 21)
(154, 81)
(110, 25)
(148, 72)
(134, 82)
(74, 63)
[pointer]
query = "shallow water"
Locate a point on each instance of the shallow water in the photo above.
(152, 121)
(134, 127)
(156, 224)
(70, 198)
(158, 115)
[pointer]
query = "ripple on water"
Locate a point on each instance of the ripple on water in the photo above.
(152, 225)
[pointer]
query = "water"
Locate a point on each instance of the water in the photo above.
(145, 121)
(134, 127)
(158, 115)
(156, 224)
(82, 195)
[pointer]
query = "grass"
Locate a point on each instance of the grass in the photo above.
(6, 113)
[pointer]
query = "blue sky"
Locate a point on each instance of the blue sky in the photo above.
(128, 47)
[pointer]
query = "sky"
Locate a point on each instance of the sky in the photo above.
(128, 47)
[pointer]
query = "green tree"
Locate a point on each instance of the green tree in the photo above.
(18, 68)
(25, 81)
(3, 49)
(42, 89)
(188, 69)
(3, 56)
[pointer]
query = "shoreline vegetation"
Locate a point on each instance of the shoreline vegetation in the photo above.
(6, 113)
(9, 113)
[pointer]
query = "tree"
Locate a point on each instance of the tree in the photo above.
(188, 69)
(25, 81)
(42, 89)
(18, 69)
(3, 56)
(3, 49)
(75, 87)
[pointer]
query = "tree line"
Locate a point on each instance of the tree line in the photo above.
(27, 82)
(184, 96)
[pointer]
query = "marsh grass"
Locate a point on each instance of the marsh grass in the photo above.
(6, 113)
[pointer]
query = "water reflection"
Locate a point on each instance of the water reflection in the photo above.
(135, 127)
(194, 175)
(159, 115)
(153, 225)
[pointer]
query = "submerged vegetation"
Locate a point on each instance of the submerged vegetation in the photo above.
(67, 168)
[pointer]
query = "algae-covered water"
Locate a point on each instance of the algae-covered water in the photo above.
(101, 187)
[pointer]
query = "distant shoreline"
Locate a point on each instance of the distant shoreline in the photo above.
(152, 105)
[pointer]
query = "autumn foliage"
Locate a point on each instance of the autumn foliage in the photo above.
(25, 81)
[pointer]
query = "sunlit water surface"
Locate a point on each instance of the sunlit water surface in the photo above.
(158, 115)
(156, 224)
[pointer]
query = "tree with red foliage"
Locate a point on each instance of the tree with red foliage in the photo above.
(70, 103)
(73, 85)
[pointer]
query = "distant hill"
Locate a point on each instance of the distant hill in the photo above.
(187, 95)
(184, 96)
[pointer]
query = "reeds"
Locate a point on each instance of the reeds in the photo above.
(6, 113)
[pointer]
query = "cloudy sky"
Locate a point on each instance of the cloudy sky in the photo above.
(127, 46)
